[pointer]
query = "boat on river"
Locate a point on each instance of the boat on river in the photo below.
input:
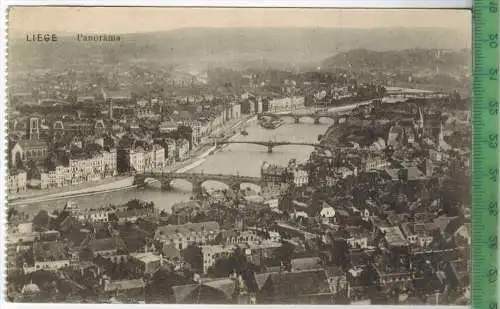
(71, 206)
(270, 123)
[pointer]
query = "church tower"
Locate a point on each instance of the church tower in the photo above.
(110, 109)
(33, 129)
(441, 141)
(442, 144)
(419, 126)
(421, 119)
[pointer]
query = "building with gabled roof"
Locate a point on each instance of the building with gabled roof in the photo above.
(302, 287)
(393, 236)
(189, 233)
(105, 246)
(124, 285)
(208, 291)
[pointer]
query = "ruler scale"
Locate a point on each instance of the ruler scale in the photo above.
(485, 170)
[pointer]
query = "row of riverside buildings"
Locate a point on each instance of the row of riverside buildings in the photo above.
(81, 170)
(103, 164)
(86, 167)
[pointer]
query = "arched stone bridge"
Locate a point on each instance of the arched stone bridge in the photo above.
(271, 144)
(297, 116)
(196, 179)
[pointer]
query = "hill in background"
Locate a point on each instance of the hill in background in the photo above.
(409, 60)
(232, 47)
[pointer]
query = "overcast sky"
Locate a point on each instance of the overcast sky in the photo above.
(114, 20)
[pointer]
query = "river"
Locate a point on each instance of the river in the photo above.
(242, 159)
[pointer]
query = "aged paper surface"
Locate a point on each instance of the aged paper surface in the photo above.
(238, 156)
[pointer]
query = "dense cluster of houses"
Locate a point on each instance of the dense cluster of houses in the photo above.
(380, 218)
(66, 147)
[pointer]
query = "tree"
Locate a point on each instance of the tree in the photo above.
(455, 190)
(103, 232)
(223, 267)
(19, 161)
(185, 132)
(316, 206)
(41, 221)
(75, 150)
(160, 286)
(200, 217)
(122, 163)
(25, 257)
(31, 164)
(64, 288)
(50, 162)
(150, 205)
(135, 204)
(193, 256)
(285, 201)
(93, 148)
(86, 254)
(16, 278)
(112, 217)
(389, 151)
(285, 253)
(235, 263)
(33, 171)
(47, 281)
(11, 213)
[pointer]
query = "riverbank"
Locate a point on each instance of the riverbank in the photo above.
(33, 193)
(197, 157)
(347, 107)
(464, 91)
(122, 182)
(231, 159)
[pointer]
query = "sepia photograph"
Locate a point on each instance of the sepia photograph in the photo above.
(195, 155)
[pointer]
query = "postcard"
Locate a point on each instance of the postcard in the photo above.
(238, 156)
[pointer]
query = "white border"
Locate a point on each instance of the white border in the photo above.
(434, 4)
(441, 4)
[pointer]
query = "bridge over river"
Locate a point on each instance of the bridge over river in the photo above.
(196, 179)
(271, 144)
(316, 116)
